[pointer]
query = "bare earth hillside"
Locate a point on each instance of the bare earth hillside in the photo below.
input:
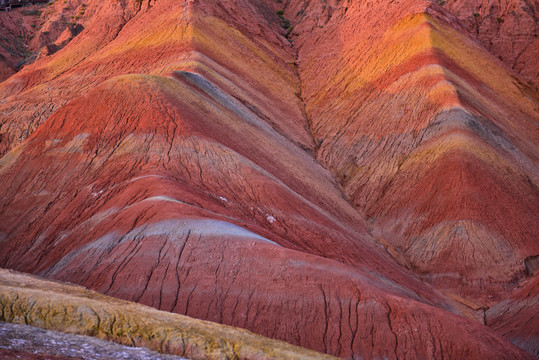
(358, 178)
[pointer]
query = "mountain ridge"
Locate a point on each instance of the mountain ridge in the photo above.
(372, 163)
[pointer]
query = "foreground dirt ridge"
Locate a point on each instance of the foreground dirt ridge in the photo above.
(234, 176)
(55, 306)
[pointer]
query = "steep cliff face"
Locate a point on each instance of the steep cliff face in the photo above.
(365, 187)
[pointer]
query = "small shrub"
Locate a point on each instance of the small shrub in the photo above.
(500, 20)
(280, 12)
(288, 31)
(33, 12)
(285, 23)
(476, 14)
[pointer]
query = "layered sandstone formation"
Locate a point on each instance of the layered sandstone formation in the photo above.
(517, 318)
(357, 178)
(414, 104)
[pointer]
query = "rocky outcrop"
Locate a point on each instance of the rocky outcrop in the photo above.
(16, 29)
(52, 305)
(368, 196)
(27, 30)
(508, 29)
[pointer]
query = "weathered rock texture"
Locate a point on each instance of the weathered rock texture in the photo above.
(517, 318)
(24, 342)
(73, 309)
(366, 188)
(40, 29)
(509, 29)
(428, 135)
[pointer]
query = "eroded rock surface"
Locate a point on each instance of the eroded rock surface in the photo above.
(517, 318)
(73, 309)
(28, 342)
(34, 30)
(428, 135)
(509, 29)
(365, 188)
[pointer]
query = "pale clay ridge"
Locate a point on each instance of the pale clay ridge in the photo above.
(26, 299)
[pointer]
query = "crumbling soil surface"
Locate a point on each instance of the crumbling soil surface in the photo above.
(28, 342)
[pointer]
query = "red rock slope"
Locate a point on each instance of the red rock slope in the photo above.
(509, 29)
(429, 135)
(36, 30)
(180, 169)
(517, 318)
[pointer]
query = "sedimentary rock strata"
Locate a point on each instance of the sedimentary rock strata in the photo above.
(357, 178)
